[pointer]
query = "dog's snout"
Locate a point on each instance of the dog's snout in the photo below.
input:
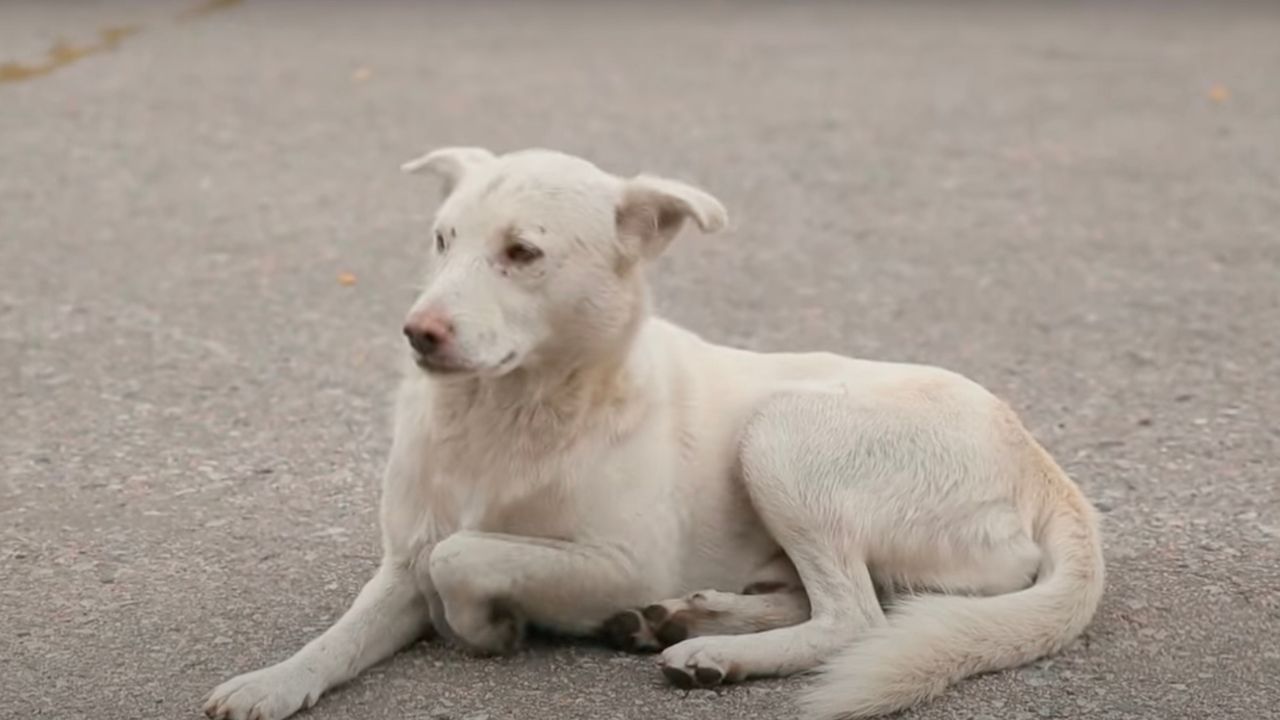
(428, 332)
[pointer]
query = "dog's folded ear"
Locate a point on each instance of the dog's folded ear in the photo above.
(450, 164)
(652, 210)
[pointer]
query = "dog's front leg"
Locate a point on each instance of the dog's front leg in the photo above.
(388, 613)
(492, 584)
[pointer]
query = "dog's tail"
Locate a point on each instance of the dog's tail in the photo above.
(933, 641)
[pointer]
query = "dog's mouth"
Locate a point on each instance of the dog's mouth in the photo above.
(508, 362)
(435, 366)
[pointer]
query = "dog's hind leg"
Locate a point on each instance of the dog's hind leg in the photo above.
(710, 660)
(792, 458)
(709, 612)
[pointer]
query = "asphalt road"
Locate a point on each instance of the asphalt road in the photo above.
(206, 249)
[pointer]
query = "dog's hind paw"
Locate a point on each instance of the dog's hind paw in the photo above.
(698, 663)
(648, 630)
(627, 631)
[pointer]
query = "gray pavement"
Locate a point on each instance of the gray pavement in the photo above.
(1079, 208)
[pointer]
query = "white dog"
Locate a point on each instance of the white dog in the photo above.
(563, 459)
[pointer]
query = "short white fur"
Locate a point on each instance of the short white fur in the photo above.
(592, 459)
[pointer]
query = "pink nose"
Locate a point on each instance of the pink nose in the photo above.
(428, 331)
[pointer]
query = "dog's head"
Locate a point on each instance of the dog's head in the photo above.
(535, 258)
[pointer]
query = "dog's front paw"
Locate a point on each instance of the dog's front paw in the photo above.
(272, 693)
(496, 627)
(477, 613)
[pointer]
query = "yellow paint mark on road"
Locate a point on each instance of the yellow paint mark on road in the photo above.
(207, 7)
(63, 53)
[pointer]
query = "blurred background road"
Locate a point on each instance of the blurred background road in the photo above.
(206, 250)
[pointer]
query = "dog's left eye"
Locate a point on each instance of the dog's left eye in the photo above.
(520, 253)
(440, 244)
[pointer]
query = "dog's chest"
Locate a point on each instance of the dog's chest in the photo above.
(498, 486)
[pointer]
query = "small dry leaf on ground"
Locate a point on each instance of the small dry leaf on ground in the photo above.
(346, 279)
(1219, 93)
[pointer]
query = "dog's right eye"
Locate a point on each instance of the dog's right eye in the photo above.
(519, 253)
(440, 244)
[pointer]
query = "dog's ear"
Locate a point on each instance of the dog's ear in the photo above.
(653, 209)
(450, 164)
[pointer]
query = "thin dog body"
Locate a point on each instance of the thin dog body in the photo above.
(563, 459)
